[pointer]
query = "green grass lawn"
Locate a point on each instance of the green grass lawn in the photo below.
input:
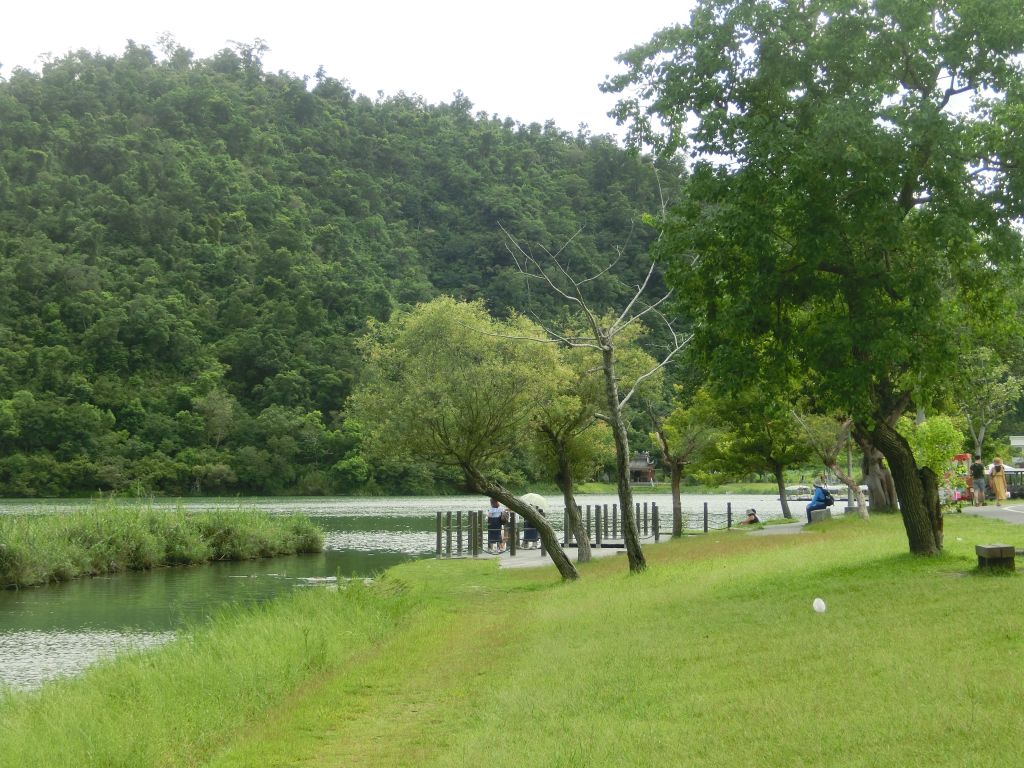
(714, 657)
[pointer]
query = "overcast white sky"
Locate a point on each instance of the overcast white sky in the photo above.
(529, 60)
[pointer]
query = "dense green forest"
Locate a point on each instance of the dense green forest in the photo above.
(190, 250)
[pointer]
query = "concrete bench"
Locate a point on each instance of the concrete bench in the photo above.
(817, 515)
(995, 556)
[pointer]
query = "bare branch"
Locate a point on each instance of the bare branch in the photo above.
(650, 308)
(665, 361)
(636, 296)
(606, 270)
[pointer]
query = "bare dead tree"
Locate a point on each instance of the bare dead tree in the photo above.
(600, 334)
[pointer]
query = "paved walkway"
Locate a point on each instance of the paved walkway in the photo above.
(530, 558)
(1012, 511)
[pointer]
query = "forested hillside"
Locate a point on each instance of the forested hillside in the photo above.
(189, 251)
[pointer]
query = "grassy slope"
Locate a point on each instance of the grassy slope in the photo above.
(713, 657)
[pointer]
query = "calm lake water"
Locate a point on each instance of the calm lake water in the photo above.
(51, 631)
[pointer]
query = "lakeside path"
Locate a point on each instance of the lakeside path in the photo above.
(531, 558)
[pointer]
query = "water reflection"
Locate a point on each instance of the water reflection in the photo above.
(46, 632)
(29, 659)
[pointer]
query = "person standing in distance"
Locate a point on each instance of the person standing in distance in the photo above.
(494, 527)
(997, 478)
(977, 472)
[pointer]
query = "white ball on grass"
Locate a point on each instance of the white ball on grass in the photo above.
(819, 605)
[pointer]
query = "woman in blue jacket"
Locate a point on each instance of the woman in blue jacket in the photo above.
(818, 500)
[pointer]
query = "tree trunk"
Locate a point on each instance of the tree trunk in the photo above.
(978, 435)
(630, 534)
(675, 465)
(851, 483)
(476, 482)
(780, 481)
(931, 497)
(677, 501)
(565, 484)
(921, 519)
(878, 479)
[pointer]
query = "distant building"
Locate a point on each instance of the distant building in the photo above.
(641, 468)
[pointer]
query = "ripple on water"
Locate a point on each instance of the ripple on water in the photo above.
(404, 542)
(33, 658)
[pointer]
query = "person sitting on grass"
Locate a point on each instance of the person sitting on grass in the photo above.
(752, 518)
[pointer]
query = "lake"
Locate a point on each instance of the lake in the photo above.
(56, 630)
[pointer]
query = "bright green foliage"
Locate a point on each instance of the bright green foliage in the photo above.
(189, 250)
(761, 434)
(935, 441)
(990, 393)
(691, 428)
(447, 384)
(568, 422)
(847, 227)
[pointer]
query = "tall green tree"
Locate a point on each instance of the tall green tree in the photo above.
(446, 383)
(685, 435)
(856, 186)
(990, 392)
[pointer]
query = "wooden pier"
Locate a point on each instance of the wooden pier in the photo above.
(461, 533)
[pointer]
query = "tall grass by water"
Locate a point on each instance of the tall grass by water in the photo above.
(712, 657)
(110, 537)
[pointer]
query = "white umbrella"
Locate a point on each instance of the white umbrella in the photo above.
(536, 500)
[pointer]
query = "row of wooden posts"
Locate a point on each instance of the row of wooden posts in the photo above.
(603, 528)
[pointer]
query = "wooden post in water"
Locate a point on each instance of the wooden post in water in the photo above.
(448, 521)
(655, 522)
(728, 514)
(705, 517)
(438, 534)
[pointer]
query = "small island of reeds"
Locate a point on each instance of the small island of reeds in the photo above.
(110, 537)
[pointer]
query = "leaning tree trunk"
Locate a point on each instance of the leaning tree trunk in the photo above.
(630, 534)
(565, 484)
(484, 485)
(921, 520)
(780, 481)
(851, 483)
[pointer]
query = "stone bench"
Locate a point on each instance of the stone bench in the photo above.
(817, 515)
(995, 556)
